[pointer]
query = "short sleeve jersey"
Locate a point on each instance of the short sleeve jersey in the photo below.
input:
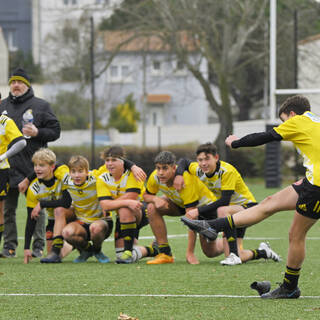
(109, 188)
(304, 132)
(194, 193)
(8, 133)
(39, 191)
(84, 198)
(225, 177)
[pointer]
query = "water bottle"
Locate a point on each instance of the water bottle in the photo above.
(27, 118)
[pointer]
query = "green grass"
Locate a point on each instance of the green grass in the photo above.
(190, 284)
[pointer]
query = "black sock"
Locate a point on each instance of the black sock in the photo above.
(231, 236)
(1, 230)
(258, 254)
(57, 244)
(165, 248)
(152, 251)
(222, 224)
(128, 232)
(291, 278)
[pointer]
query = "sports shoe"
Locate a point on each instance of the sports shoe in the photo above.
(52, 257)
(202, 227)
(161, 258)
(262, 286)
(9, 253)
(269, 252)
(125, 258)
(231, 260)
(282, 293)
(101, 257)
(83, 257)
(37, 253)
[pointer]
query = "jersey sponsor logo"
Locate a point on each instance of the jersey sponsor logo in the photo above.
(36, 187)
(303, 207)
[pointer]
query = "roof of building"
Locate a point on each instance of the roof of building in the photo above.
(310, 39)
(128, 41)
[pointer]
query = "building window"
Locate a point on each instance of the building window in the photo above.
(114, 72)
(11, 40)
(179, 68)
(120, 73)
(102, 2)
(70, 2)
(156, 68)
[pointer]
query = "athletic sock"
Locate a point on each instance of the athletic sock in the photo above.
(128, 232)
(258, 254)
(291, 278)
(152, 251)
(165, 248)
(231, 236)
(57, 244)
(222, 224)
(1, 230)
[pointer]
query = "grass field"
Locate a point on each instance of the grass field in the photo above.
(177, 291)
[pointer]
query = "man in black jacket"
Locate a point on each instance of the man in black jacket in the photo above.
(44, 127)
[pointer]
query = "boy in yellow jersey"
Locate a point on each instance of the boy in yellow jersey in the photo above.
(301, 127)
(176, 203)
(11, 142)
(45, 188)
(233, 195)
(119, 190)
(90, 224)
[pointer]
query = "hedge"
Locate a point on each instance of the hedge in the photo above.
(248, 161)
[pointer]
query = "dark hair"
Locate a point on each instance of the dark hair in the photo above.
(207, 148)
(165, 157)
(298, 104)
(114, 151)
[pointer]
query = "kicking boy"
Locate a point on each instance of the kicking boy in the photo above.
(47, 186)
(302, 127)
(233, 195)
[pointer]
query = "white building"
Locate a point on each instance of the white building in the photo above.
(4, 59)
(309, 69)
(48, 16)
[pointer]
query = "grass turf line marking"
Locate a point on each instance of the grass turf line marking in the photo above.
(136, 295)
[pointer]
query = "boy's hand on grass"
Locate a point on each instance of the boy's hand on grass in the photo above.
(27, 256)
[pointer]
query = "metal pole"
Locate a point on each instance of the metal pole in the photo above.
(144, 99)
(273, 66)
(93, 117)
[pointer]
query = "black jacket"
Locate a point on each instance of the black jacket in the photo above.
(44, 119)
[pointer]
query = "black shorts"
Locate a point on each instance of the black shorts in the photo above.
(308, 203)
(86, 226)
(144, 221)
(4, 183)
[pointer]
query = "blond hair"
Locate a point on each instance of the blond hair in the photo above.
(45, 155)
(78, 162)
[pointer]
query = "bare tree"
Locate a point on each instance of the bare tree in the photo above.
(219, 31)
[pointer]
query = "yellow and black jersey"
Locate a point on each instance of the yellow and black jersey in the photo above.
(225, 178)
(8, 133)
(109, 188)
(47, 190)
(304, 132)
(194, 193)
(84, 198)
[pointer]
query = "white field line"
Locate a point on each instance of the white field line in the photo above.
(136, 295)
(173, 236)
